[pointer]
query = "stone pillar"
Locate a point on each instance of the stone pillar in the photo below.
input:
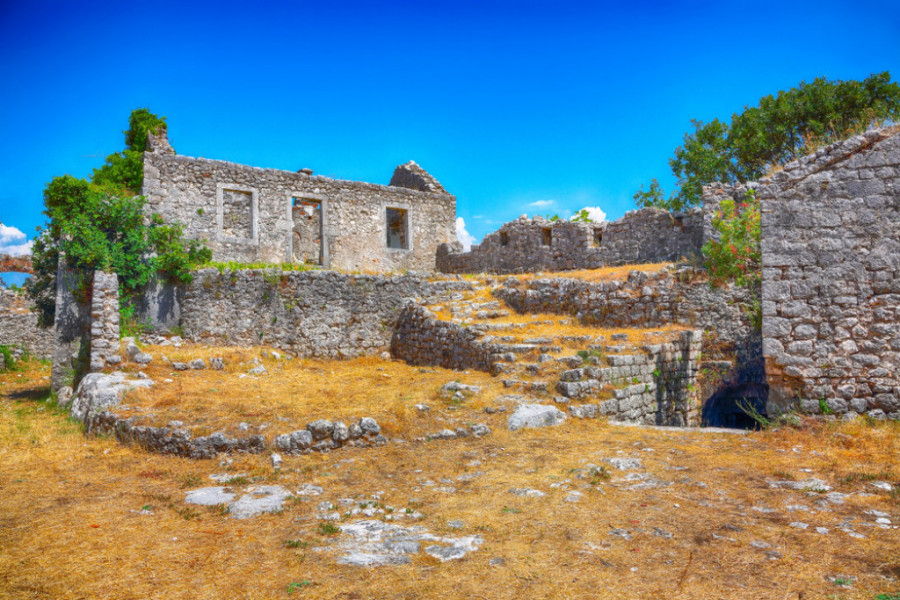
(70, 325)
(104, 321)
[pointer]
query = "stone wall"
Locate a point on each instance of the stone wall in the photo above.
(642, 236)
(246, 214)
(104, 321)
(422, 339)
(831, 278)
(311, 313)
(654, 387)
(19, 325)
(681, 297)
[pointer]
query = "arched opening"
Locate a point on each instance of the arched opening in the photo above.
(740, 406)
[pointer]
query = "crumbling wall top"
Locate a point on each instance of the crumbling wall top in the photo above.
(414, 177)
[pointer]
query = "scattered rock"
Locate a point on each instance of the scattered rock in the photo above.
(259, 500)
(210, 496)
(374, 543)
(180, 366)
(480, 430)
(806, 485)
(535, 415)
(320, 429)
(308, 489)
(216, 363)
(277, 461)
(527, 492)
(625, 464)
(197, 364)
(258, 370)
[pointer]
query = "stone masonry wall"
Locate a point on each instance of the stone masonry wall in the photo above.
(311, 313)
(538, 244)
(681, 297)
(831, 278)
(104, 321)
(19, 326)
(422, 339)
(245, 213)
(654, 387)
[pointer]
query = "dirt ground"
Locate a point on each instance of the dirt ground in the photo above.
(703, 515)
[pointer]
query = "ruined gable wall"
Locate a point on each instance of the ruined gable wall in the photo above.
(185, 190)
(641, 236)
(831, 277)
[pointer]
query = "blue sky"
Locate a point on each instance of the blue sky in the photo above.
(508, 104)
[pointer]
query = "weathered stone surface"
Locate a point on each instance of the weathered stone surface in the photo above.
(244, 213)
(374, 543)
(831, 277)
(98, 392)
(258, 500)
(528, 245)
(210, 496)
(535, 415)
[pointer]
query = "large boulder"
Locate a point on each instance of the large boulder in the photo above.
(98, 392)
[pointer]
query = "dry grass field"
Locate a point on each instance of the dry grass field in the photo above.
(85, 517)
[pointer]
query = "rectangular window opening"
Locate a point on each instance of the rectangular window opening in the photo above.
(504, 238)
(306, 236)
(679, 221)
(598, 237)
(546, 236)
(397, 228)
(237, 215)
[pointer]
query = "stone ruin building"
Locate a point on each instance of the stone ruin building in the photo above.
(830, 295)
(248, 214)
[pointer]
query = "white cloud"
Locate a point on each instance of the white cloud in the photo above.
(595, 213)
(542, 203)
(13, 241)
(465, 238)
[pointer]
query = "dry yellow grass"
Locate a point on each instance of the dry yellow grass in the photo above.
(295, 392)
(70, 522)
(602, 274)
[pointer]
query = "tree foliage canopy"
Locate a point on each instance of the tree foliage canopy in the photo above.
(779, 129)
(100, 224)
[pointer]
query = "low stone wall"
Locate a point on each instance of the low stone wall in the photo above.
(422, 339)
(312, 313)
(656, 387)
(19, 326)
(641, 236)
(681, 297)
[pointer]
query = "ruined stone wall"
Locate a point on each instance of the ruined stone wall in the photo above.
(311, 313)
(656, 387)
(538, 244)
(245, 213)
(681, 297)
(831, 278)
(19, 326)
(104, 321)
(422, 339)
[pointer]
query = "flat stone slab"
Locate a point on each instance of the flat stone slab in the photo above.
(210, 496)
(256, 501)
(535, 415)
(259, 500)
(374, 543)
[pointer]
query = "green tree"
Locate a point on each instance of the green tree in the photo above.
(101, 224)
(779, 129)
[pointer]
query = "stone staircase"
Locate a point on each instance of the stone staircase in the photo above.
(651, 379)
